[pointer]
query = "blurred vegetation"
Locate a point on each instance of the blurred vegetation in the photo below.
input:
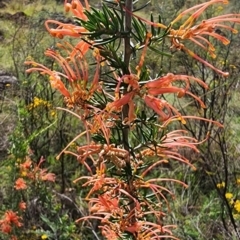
(31, 127)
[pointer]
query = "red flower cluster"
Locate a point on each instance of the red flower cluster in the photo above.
(28, 172)
(9, 220)
(33, 172)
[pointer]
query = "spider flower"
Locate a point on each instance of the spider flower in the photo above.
(199, 33)
(68, 29)
(44, 176)
(26, 165)
(76, 8)
(74, 71)
(164, 85)
(198, 30)
(168, 149)
(105, 203)
(64, 29)
(160, 106)
(97, 181)
(150, 91)
(54, 77)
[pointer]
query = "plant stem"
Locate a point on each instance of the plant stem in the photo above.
(127, 56)
(128, 26)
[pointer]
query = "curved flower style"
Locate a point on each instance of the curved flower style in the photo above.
(199, 33)
(150, 90)
(112, 193)
(69, 29)
(168, 149)
(115, 220)
(64, 29)
(75, 72)
(98, 180)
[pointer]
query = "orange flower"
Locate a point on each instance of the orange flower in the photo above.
(65, 29)
(73, 62)
(168, 148)
(64, 63)
(5, 227)
(164, 84)
(47, 176)
(105, 203)
(79, 50)
(54, 77)
(41, 174)
(117, 104)
(153, 88)
(26, 165)
(132, 81)
(20, 184)
(108, 233)
(149, 231)
(199, 33)
(161, 107)
(75, 71)
(11, 217)
(98, 180)
(22, 206)
(56, 83)
(77, 8)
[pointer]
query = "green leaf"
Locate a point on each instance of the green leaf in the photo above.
(49, 223)
(153, 30)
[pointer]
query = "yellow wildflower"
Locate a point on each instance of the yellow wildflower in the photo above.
(237, 205)
(238, 181)
(44, 236)
(53, 113)
(221, 185)
(229, 195)
(38, 102)
(220, 8)
(23, 173)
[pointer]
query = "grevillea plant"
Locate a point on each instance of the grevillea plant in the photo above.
(107, 85)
